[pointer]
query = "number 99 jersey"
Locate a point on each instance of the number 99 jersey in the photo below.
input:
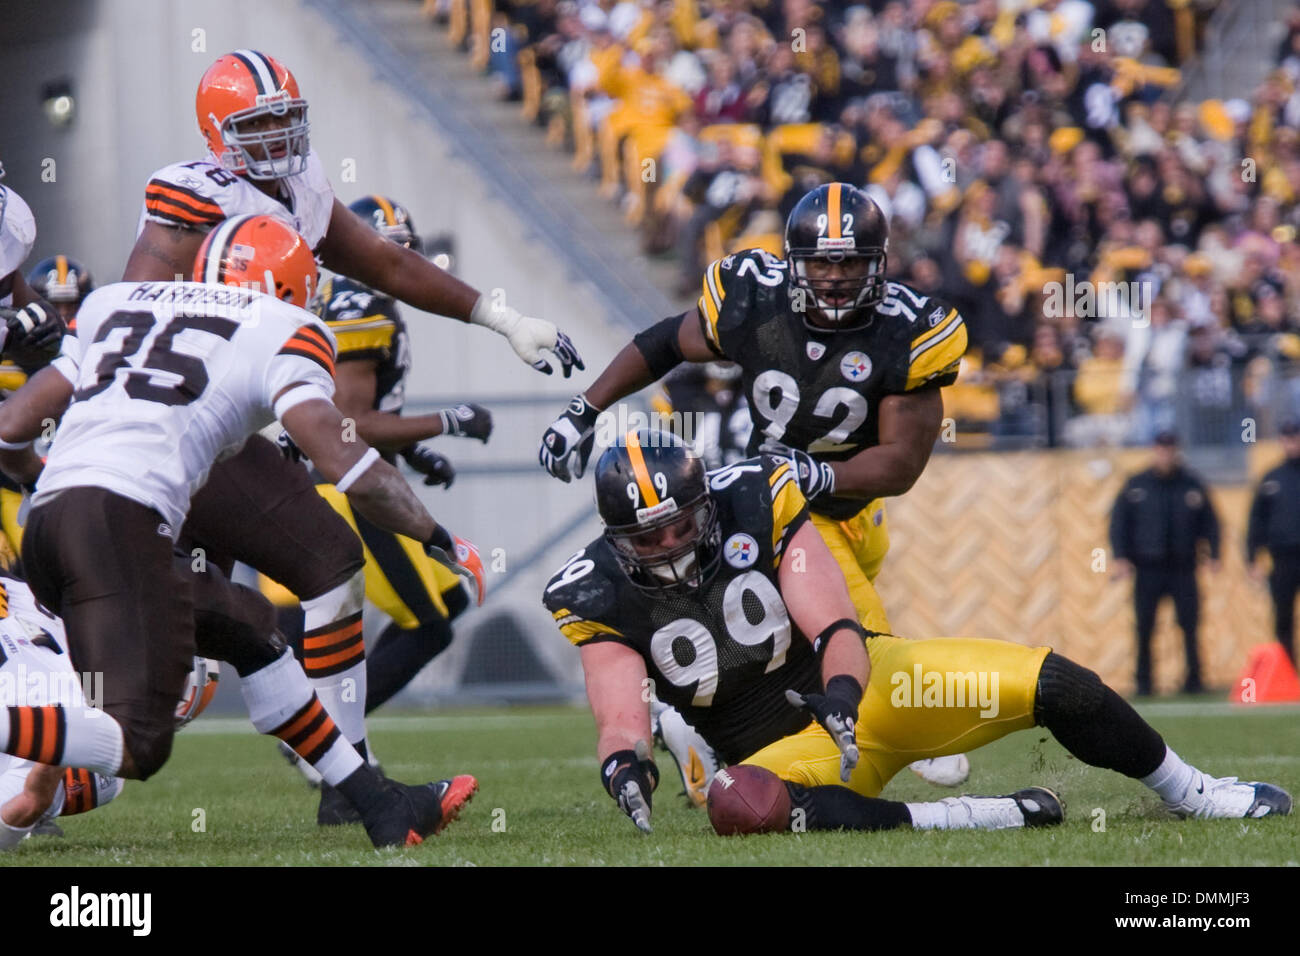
(820, 391)
(723, 654)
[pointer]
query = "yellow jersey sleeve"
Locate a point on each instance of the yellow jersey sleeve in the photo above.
(936, 353)
(580, 631)
(789, 508)
(710, 304)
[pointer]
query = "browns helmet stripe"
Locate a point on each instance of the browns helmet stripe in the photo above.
(640, 471)
(260, 57)
(261, 72)
(214, 268)
(833, 211)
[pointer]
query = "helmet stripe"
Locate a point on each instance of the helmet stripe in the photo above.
(640, 471)
(265, 81)
(214, 267)
(61, 265)
(260, 57)
(833, 212)
(389, 216)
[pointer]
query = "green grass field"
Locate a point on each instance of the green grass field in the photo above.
(540, 803)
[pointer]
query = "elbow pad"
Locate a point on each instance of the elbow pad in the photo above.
(658, 345)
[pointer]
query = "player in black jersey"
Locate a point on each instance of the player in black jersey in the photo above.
(841, 368)
(718, 596)
(419, 595)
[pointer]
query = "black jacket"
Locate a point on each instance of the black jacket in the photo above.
(1160, 520)
(1275, 511)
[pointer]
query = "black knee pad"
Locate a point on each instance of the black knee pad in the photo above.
(1066, 691)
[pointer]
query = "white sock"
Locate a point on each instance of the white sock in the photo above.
(334, 655)
(929, 816)
(88, 737)
(1172, 778)
(281, 702)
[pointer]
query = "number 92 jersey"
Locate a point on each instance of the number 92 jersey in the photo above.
(725, 654)
(820, 392)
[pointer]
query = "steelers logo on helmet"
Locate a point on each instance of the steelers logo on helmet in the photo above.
(856, 366)
(740, 551)
(660, 520)
(836, 240)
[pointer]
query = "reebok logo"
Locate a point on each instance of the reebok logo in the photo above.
(75, 909)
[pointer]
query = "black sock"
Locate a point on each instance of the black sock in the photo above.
(1093, 722)
(289, 622)
(833, 807)
(399, 655)
(364, 789)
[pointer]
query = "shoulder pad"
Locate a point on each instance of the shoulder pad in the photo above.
(582, 596)
(17, 232)
(939, 338)
(188, 194)
(730, 286)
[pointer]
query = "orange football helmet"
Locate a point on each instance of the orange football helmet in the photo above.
(236, 97)
(259, 253)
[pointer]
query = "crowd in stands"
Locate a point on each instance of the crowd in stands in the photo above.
(1026, 151)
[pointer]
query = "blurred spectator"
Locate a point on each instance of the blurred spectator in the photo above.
(1275, 526)
(1161, 525)
(1153, 362)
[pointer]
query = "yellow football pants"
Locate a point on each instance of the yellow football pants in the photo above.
(859, 545)
(10, 502)
(401, 580)
(932, 698)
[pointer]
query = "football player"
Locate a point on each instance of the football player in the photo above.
(149, 421)
(256, 508)
(63, 282)
(717, 595)
(841, 368)
(419, 595)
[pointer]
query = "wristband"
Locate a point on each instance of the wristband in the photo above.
(356, 471)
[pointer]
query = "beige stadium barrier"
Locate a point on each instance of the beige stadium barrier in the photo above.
(1015, 546)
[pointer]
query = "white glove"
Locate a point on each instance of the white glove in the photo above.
(528, 336)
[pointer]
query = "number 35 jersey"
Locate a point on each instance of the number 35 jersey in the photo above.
(723, 655)
(169, 376)
(820, 392)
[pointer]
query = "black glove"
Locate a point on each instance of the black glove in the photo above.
(630, 776)
(32, 334)
(436, 468)
(289, 448)
(837, 712)
(467, 421)
(567, 444)
(815, 477)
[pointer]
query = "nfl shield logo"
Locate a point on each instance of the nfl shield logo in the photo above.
(740, 551)
(816, 350)
(855, 366)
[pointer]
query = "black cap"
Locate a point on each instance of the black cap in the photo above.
(1289, 426)
(1167, 438)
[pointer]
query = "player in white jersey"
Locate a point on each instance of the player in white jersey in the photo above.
(30, 328)
(168, 377)
(259, 160)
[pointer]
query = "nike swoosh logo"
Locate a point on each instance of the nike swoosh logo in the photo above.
(1200, 788)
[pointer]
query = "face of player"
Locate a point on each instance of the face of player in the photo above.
(837, 285)
(276, 148)
(668, 551)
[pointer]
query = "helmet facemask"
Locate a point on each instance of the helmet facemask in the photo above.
(253, 152)
(847, 302)
(686, 565)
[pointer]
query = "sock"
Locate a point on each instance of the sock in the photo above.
(334, 656)
(1172, 778)
(11, 836)
(281, 702)
(1092, 721)
(399, 655)
(928, 816)
(363, 789)
(833, 807)
(80, 736)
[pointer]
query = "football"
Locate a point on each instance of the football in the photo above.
(748, 800)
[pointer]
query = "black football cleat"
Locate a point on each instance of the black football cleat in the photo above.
(1040, 807)
(414, 812)
(335, 809)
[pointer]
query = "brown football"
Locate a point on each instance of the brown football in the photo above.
(745, 799)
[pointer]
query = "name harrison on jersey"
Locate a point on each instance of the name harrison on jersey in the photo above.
(194, 297)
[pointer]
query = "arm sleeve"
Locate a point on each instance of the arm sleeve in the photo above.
(936, 353)
(177, 197)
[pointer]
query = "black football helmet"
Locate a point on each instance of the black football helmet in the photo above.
(388, 218)
(61, 280)
(833, 223)
(653, 496)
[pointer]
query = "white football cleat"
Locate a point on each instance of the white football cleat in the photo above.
(1213, 798)
(695, 759)
(1032, 807)
(942, 771)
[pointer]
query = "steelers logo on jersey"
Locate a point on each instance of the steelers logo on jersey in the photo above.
(740, 551)
(855, 366)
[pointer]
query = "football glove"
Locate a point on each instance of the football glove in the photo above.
(289, 448)
(467, 421)
(837, 712)
(31, 335)
(815, 477)
(528, 336)
(437, 469)
(567, 443)
(630, 777)
(459, 556)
